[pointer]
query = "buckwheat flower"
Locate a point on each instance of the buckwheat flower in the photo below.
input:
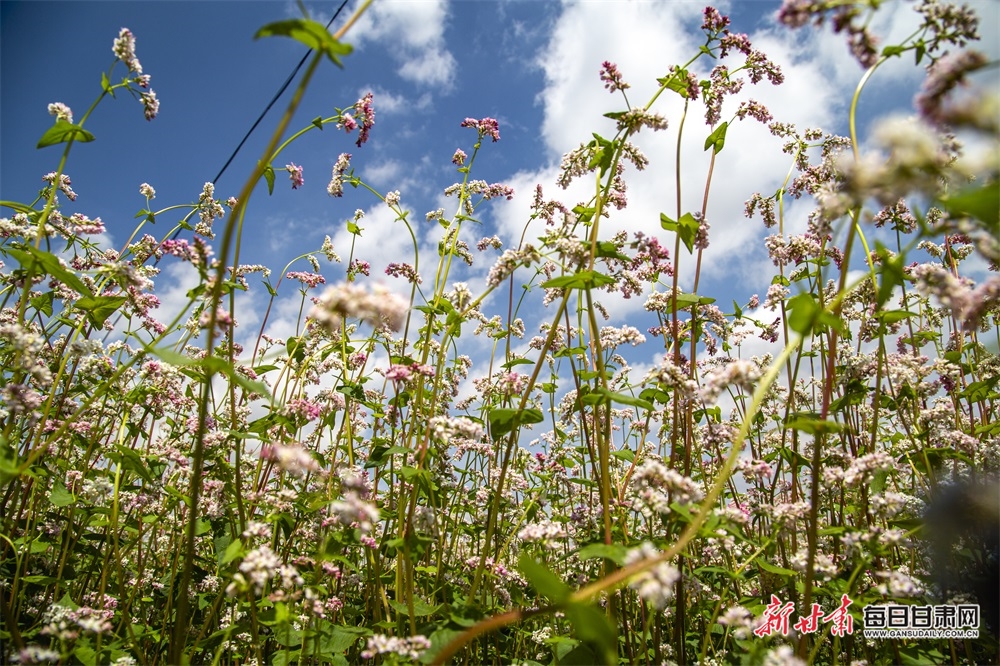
(310, 280)
(740, 372)
(734, 41)
(512, 383)
(151, 105)
(295, 174)
(655, 585)
(292, 458)
(795, 13)
(944, 75)
(410, 648)
(509, 261)
(36, 654)
(739, 620)
(336, 186)
(353, 510)
(260, 565)
(435, 215)
(147, 191)
(347, 123)
(392, 199)
(21, 399)
(381, 308)
(458, 159)
(755, 110)
(124, 50)
(328, 251)
(612, 77)
(257, 530)
(486, 127)
(635, 119)
(358, 267)
(404, 271)
(398, 373)
(548, 533)
(714, 22)
(61, 111)
(783, 655)
(64, 184)
(613, 337)
(366, 112)
(759, 65)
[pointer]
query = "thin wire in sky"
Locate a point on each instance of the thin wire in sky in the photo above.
(277, 95)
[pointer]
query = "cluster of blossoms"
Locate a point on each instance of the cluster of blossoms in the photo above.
(656, 487)
(293, 458)
(548, 533)
(408, 648)
(258, 568)
(486, 127)
(124, 50)
(967, 304)
(364, 111)
(336, 186)
(740, 372)
(295, 175)
(655, 585)
(380, 308)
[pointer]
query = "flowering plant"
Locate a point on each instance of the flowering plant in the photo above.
(374, 486)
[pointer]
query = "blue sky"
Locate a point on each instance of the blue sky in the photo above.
(532, 65)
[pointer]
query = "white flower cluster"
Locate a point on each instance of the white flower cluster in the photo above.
(257, 569)
(410, 648)
(656, 487)
(380, 308)
(545, 532)
(655, 585)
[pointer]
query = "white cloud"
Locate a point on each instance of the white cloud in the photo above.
(413, 31)
(389, 103)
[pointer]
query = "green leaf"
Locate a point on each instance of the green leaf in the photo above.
(982, 203)
(807, 317)
(770, 568)
(892, 316)
(43, 302)
(892, 273)
(581, 280)
(893, 51)
(38, 262)
(99, 308)
(318, 122)
(106, 84)
(591, 624)
(624, 399)
(544, 581)
(64, 132)
(503, 420)
(420, 607)
(717, 139)
(269, 177)
(812, 425)
(312, 34)
(677, 81)
(609, 249)
(60, 496)
(686, 228)
(614, 552)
